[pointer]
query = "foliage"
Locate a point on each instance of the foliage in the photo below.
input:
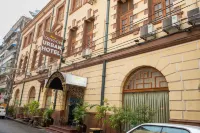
(11, 110)
(102, 111)
(119, 117)
(16, 103)
(47, 114)
(142, 114)
(2, 90)
(26, 109)
(20, 110)
(33, 108)
(80, 111)
(41, 112)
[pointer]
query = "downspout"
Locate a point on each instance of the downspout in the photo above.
(26, 70)
(51, 24)
(105, 51)
(61, 57)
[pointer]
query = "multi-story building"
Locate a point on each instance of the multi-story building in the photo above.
(149, 56)
(9, 53)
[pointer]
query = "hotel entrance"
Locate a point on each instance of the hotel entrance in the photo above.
(75, 96)
(71, 92)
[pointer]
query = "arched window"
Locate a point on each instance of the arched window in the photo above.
(145, 78)
(31, 95)
(48, 98)
(147, 87)
(16, 100)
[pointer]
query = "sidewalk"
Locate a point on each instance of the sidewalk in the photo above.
(22, 122)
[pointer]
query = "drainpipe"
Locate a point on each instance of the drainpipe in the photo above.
(26, 70)
(51, 24)
(61, 57)
(105, 51)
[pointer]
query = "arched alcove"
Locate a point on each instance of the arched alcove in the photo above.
(31, 94)
(147, 86)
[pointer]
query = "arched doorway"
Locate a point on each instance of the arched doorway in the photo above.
(147, 86)
(16, 100)
(71, 92)
(31, 95)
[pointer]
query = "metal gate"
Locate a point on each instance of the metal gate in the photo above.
(157, 101)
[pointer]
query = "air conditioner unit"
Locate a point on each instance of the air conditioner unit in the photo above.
(38, 70)
(92, 1)
(28, 73)
(147, 32)
(17, 71)
(171, 24)
(87, 53)
(194, 16)
(42, 69)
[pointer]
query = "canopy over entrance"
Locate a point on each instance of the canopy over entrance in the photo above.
(58, 81)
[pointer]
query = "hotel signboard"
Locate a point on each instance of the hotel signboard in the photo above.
(51, 45)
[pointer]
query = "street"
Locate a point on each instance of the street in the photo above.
(9, 126)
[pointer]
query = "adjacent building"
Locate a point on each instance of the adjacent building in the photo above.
(8, 56)
(150, 56)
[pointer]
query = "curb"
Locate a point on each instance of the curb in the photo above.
(25, 123)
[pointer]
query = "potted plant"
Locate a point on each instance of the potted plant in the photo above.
(33, 110)
(119, 117)
(142, 114)
(101, 115)
(20, 112)
(47, 119)
(79, 112)
(11, 111)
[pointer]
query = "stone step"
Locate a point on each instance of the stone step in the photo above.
(59, 129)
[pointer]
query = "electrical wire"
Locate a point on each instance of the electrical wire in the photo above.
(128, 40)
(122, 44)
(137, 22)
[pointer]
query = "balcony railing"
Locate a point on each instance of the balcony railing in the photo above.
(9, 44)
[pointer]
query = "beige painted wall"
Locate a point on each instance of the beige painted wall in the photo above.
(179, 64)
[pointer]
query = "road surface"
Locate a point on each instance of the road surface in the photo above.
(9, 126)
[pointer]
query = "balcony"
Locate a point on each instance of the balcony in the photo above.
(7, 46)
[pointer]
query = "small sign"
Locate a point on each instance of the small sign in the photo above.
(51, 45)
(76, 80)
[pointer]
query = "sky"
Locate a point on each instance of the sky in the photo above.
(12, 10)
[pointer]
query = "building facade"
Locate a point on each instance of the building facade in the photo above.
(9, 54)
(150, 56)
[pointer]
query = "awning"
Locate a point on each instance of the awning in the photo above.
(59, 80)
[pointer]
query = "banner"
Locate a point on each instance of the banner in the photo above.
(51, 45)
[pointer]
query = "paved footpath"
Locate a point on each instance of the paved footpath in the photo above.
(9, 126)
